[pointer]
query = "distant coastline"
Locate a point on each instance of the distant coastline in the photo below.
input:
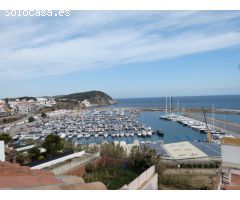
(222, 103)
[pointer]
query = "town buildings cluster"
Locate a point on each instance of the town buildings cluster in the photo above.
(24, 106)
(4, 110)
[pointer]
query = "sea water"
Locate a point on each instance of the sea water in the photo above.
(173, 131)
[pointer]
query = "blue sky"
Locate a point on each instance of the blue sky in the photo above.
(123, 53)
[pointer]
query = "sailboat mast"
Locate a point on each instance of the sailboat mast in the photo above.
(170, 105)
(213, 116)
(178, 107)
(166, 105)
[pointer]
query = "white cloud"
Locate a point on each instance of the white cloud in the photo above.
(33, 47)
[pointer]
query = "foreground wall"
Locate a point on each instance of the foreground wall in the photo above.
(2, 151)
(70, 165)
(148, 180)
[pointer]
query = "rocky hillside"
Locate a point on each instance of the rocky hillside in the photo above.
(93, 98)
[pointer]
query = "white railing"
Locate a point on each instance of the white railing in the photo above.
(25, 148)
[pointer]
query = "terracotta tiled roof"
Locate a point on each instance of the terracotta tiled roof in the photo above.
(14, 176)
(232, 187)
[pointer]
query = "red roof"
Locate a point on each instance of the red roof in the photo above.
(16, 176)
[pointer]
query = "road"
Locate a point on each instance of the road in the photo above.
(225, 126)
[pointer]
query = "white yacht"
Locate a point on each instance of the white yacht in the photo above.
(79, 136)
(127, 134)
(70, 136)
(62, 135)
(144, 133)
(105, 135)
(149, 133)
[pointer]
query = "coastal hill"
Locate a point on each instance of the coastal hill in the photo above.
(95, 98)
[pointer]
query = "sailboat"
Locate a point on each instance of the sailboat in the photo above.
(165, 117)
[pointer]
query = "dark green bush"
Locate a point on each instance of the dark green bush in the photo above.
(206, 166)
(31, 119)
(194, 165)
(189, 165)
(183, 165)
(211, 165)
(217, 164)
(90, 168)
(200, 165)
(5, 137)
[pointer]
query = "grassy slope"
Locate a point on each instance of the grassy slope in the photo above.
(113, 177)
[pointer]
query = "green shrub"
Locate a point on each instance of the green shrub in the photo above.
(217, 164)
(31, 119)
(5, 137)
(206, 166)
(194, 165)
(41, 157)
(53, 145)
(189, 165)
(90, 168)
(21, 158)
(43, 115)
(183, 165)
(211, 165)
(34, 153)
(200, 165)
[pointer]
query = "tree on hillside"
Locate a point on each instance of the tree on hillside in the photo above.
(34, 153)
(5, 137)
(53, 145)
(22, 158)
(113, 151)
(43, 115)
(31, 119)
(140, 159)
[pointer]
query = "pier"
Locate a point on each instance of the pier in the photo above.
(224, 126)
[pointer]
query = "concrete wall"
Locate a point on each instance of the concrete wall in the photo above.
(67, 166)
(25, 148)
(148, 180)
(59, 160)
(230, 155)
(151, 184)
(2, 151)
